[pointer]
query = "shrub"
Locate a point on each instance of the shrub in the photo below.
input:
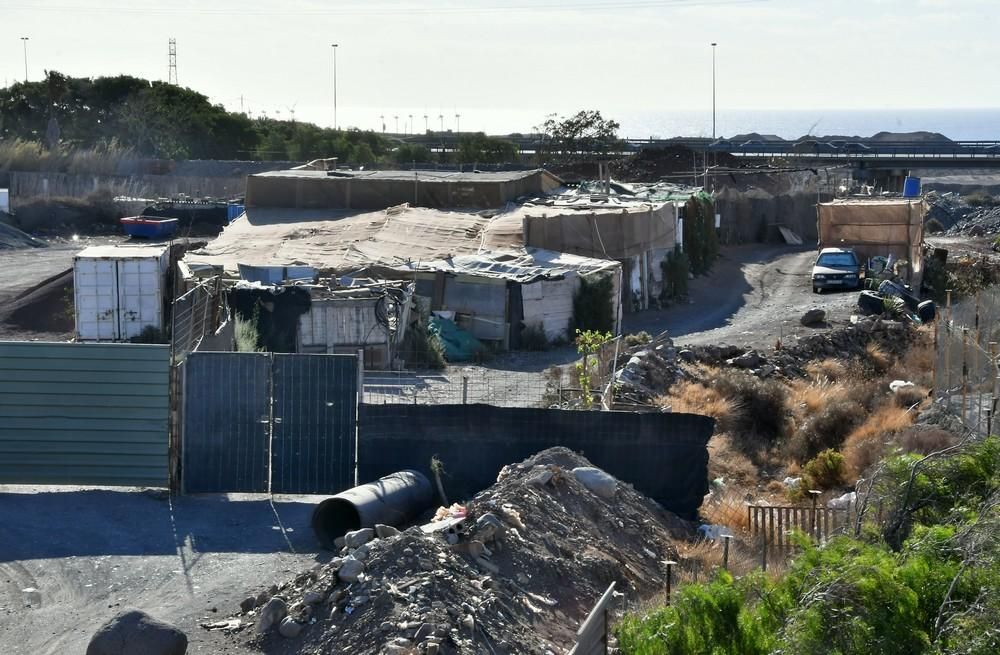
(866, 443)
(981, 199)
(824, 471)
(675, 268)
(826, 429)
(925, 440)
(533, 337)
(592, 306)
(907, 397)
(422, 348)
(877, 358)
(638, 339)
(760, 419)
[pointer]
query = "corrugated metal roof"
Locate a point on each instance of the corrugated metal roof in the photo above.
(524, 266)
(122, 252)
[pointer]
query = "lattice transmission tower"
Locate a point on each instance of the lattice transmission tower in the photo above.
(172, 58)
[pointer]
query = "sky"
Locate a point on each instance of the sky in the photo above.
(504, 66)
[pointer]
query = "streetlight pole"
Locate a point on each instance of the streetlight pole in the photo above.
(713, 90)
(24, 41)
(458, 123)
(335, 124)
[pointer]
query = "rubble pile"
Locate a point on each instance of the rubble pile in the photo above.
(648, 371)
(513, 571)
(952, 214)
(644, 372)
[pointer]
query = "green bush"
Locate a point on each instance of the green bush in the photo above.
(824, 471)
(700, 241)
(592, 308)
(676, 269)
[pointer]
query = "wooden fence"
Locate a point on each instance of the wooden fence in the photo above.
(592, 637)
(775, 523)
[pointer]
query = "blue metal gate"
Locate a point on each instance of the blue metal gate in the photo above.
(261, 422)
(315, 420)
(227, 421)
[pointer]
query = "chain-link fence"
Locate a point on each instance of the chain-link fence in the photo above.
(966, 353)
(569, 386)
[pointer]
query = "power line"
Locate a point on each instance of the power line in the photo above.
(397, 10)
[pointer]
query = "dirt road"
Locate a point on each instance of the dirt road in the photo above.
(753, 297)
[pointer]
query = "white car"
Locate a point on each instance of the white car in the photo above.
(836, 268)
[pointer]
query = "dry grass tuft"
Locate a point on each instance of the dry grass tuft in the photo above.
(810, 398)
(917, 364)
(909, 396)
(865, 444)
(878, 358)
(727, 462)
(694, 398)
(827, 370)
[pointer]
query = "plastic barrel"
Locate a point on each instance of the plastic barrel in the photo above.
(911, 187)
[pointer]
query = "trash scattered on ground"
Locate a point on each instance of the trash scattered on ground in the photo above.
(529, 557)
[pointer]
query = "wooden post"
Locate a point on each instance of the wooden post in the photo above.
(763, 552)
(965, 372)
(670, 575)
(465, 389)
(725, 550)
(812, 528)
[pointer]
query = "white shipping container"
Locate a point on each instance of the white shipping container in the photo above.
(5, 201)
(119, 291)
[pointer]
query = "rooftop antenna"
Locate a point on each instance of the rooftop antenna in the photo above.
(172, 62)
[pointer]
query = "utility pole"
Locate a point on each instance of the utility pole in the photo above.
(441, 118)
(381, 118)
(426, 126)
(713, 90)
(172, 62)
(458, 124)
(397, 122)
(411, 124)
(335, 125)
(24, 41)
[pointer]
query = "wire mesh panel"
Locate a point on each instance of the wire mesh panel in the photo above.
(315, 420)
(226, 414)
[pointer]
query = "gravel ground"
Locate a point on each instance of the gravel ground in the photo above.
(71, 558)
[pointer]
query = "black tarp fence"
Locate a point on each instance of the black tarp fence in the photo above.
(663, 455)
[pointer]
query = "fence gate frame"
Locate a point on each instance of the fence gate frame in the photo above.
(275, 423)
(774, 522)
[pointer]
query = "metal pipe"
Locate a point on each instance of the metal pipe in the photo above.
(392, 500)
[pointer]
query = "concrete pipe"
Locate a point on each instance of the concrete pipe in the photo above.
(392, 500)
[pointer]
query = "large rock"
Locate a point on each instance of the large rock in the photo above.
(289, 628)
(271, 614)
(351, 569)
(358, 537)
(597, 481)
(813, 317)
(385, 531)
(134, 632)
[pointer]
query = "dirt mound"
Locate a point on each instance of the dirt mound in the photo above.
(12, 238)
(516, 574)
(45, 308)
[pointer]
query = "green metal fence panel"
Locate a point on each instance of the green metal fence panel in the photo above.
(80, 413)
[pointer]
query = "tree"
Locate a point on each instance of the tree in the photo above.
(479, 148)
(585, 134)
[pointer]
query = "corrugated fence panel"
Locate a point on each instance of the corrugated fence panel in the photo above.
(226, 422)
(76, 413)
(315, 418)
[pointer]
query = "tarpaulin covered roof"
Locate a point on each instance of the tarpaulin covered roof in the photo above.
(342, 240)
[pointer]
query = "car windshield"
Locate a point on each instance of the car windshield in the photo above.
(837, 259)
